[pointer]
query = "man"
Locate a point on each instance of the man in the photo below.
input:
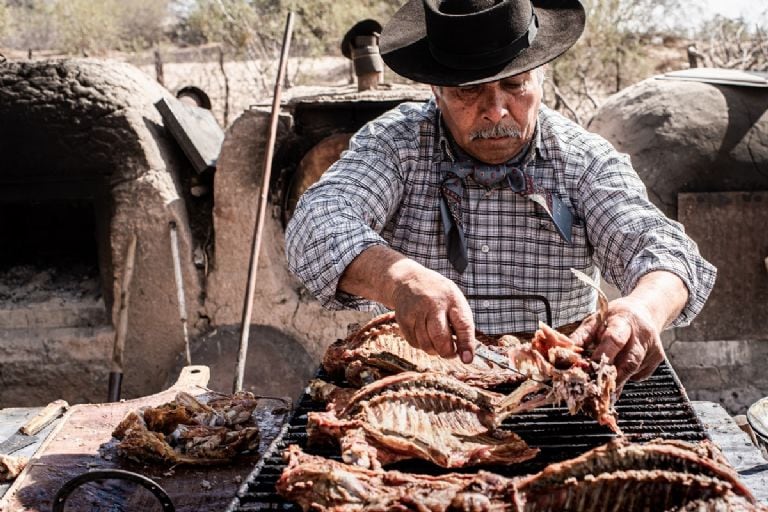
(469, 211)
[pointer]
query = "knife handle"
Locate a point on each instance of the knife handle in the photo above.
(49, 413)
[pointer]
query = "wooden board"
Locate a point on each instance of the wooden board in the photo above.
(83, 441)
(196, 131)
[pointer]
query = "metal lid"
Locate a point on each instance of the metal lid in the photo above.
(719, 76)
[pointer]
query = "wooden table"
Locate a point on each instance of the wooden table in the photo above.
(11, 419)
(82, 441)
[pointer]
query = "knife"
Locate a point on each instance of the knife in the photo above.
(26, 435)
(483, 352)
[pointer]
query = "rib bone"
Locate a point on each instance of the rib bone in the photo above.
(420, 415)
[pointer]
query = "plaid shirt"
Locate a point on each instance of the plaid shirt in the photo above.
(385, 190)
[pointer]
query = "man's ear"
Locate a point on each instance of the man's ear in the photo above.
(436, 90)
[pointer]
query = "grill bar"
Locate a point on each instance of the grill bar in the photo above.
(657, 407)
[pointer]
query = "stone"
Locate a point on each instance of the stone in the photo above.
(687, 136)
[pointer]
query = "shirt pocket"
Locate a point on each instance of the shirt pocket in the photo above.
(555, 252)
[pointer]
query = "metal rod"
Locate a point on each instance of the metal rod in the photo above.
(180, 289)
(260, 213)
(121, 330)
(540, 298)
(114, 386)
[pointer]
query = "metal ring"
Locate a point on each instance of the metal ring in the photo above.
(108, 474)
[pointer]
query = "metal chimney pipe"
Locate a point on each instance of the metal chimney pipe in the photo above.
(361, 45)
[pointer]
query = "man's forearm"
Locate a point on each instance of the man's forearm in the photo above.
(430, 309)
(664, 294)
(375, 273)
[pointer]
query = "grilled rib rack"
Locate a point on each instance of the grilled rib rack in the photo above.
(657, 407)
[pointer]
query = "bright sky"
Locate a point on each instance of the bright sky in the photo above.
(693, 12)
(750, 10)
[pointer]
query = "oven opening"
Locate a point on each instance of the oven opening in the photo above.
(49, 264)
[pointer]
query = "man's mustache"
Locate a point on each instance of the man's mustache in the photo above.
(496, 131)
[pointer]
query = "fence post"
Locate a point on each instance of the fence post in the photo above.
(159, 67)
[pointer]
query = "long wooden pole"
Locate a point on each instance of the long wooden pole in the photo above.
(121, 330)
(261, 212)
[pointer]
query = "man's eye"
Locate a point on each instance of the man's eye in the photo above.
(514, 86)
(467, 92)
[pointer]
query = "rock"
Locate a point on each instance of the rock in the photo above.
(688, 136)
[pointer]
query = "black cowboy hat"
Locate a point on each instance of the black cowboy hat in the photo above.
(465, 42)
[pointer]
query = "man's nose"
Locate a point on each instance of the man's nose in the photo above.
(494, 104)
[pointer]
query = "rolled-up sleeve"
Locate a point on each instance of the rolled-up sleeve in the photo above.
(632, 237)
(342, 215)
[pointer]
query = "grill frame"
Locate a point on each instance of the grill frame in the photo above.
(657, 407)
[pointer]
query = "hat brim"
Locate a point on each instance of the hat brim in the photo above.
(405, 49)
(364, 27)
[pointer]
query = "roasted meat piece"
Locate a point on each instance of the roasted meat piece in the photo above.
(379, 349)
(558, 374)
(428, 416)
(320, 484)
(659, 455)
(657, 476)
(190, 432)
(582, 384)
(11, 466)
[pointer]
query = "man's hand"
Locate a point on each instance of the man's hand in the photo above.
(628, 338)
(630, 335)
(429, 307)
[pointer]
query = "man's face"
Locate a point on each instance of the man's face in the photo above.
(492, 121)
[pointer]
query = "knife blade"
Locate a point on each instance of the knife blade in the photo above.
(483, 352)
(26, 435)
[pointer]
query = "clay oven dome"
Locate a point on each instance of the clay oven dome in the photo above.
(86, 162)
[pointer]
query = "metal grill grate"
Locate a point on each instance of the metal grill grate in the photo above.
(657, 407)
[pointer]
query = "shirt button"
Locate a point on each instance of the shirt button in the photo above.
(485, 248)
(486, 303)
